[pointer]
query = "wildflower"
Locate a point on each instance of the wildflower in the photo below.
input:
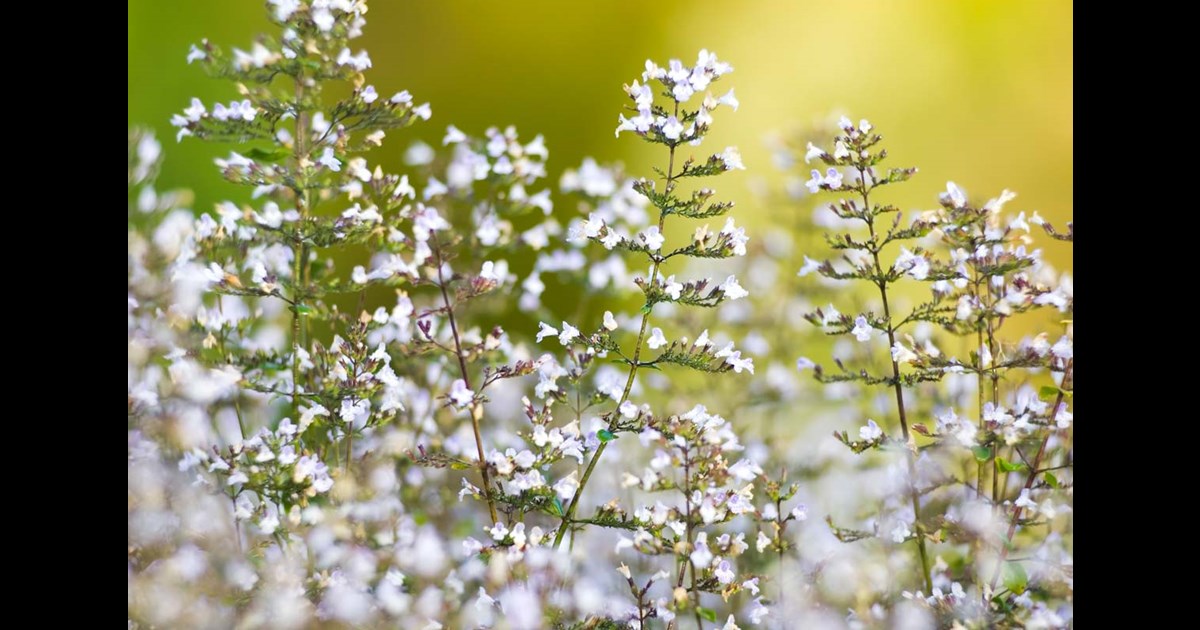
(862, 329)
(652, 237)
(460, 395)
(328, 160)
(732, 159)
(871, 432)
(732, 290)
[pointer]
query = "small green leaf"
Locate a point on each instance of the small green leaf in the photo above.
(267, 155)
(646, 308)
(1048, 391)
(303, 309)
(1007, 466)
(708, 613)
(982, 453)
(605, 435)
(558, 506)
(1052, 481)
(1015, 577)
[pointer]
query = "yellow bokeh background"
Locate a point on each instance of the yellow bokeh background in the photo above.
(977, 92)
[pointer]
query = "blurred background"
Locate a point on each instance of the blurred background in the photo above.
(975, 92)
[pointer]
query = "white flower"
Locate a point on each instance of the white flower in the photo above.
(833, 178)
(195, 53)
(800, 512)
(460, 395)
(569, 332)
(994, 205)
(736, 236)
(322, 17)
(901, 354)
(814, 183)
(840, 151)
(913, 264)
(329, 161)
(610, 322)
(308, 414)
(1063, 349)
(673, 288)
(814, 153)
(628, 409)
(1019, 223)
(672, 128)
(732, 290)
(746, 470)
(871, 432)
(730, 100)
(701, 556)
(739, 363)
(269, 524)
(758, 612)
(954, 195)
(805, 363)
(488, 272)
(862, 329)
(657, 339)
(723, 572)
(359, 62)
(762, 542)
(653, 238)
(810, 266)
(732, 159)
(369, 94)
(566, 487)
(453, 136)
(545, 330)
(900, 532)
(1025, 501)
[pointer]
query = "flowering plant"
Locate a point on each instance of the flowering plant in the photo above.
(350, 406)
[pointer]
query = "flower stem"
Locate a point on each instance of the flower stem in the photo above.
(476, 407)
(633, 368)
(1033, 473)
(891, 335)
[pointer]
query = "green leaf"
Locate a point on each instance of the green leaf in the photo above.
(267, 155)
(708, 613)
(605, 435)
(1048, 391)
(646, 308)
(558, 507)
(303, 309)
(982, 453)
(1015, 577)
(1051, 480)
(1007, 466)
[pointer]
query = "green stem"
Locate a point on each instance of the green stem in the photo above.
(476, 408)
(633, 368)
(891, 335)
(299, 153)
(1033, 474)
